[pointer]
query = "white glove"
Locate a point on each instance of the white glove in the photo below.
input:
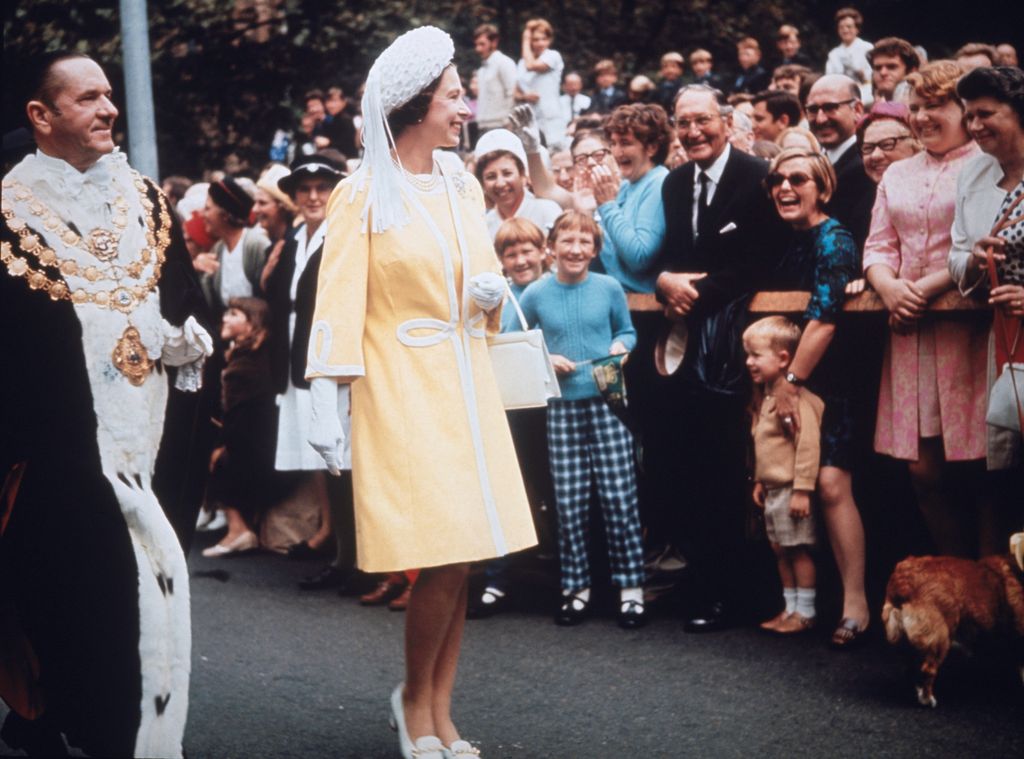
(326, 434)
(523, 124)
(487, 290)
(185, 344)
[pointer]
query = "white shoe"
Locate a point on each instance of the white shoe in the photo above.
(426, 746)
(247, 541)
(217, 521)
(460, 748)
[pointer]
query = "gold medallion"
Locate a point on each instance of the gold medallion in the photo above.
(103, 244)
(130, 357)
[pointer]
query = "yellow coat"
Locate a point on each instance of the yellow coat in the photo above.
(435, 474)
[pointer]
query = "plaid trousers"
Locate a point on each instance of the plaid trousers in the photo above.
(587, 441)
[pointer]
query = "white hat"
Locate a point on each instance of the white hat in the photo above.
(501, 139)
(268, 183)
(409, 64)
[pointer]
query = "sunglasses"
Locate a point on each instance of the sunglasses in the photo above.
(598, 156)
(886, 146)
(830, 109)
(796, 179)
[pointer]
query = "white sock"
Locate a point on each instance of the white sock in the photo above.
(494, 594)
(631, 594)
(805, 602)
(583, 595)
(790, 595)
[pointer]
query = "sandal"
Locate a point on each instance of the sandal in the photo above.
(848, 635)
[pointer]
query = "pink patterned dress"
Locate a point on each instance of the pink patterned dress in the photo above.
(933, 378)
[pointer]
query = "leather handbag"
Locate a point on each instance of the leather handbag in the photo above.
(522, 365)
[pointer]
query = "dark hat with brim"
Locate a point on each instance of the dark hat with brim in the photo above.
(230, 196)
(307, 167)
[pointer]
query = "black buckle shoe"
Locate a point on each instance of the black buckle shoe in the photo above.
(632, 615)
(572, 611)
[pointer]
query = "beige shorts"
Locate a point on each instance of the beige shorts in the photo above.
(782, 529)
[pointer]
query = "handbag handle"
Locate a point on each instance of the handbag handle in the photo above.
(519, 310)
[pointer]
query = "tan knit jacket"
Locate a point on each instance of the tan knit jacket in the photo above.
(780, 459)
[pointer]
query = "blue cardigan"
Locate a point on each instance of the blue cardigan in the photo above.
(634, 227)
(580, 322)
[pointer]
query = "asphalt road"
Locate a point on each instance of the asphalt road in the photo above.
(279, 673)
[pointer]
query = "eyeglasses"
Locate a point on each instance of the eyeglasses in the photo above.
(886, 146)
(702, 122)
(796, 179)
(830, 109)
(598, 156)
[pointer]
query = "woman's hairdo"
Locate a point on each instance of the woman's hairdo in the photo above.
(576, 221)
(415, 110)
(1002, 83)
(488, 158)
(647, 122)
(936, 81)
(822, 173)
(852, 13)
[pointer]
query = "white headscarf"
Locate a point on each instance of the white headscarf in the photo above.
(409, 64)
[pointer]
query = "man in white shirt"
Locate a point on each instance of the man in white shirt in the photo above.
(573, 101)
(496, 80)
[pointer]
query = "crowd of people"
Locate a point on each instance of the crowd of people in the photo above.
(799, 158)
(876, 171)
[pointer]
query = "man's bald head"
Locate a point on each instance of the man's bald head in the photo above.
(833, 108)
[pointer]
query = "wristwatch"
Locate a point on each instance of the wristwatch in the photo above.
(793, 379)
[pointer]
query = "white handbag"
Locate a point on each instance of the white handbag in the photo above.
(522, 365)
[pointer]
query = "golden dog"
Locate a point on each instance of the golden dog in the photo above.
(932, 601)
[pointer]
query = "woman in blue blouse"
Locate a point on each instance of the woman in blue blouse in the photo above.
(618, 174)
(823, 259)
(629, 201)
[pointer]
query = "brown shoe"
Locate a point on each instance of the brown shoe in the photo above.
(794, 623)
(772, 625)
(386, 590)
(402, 602)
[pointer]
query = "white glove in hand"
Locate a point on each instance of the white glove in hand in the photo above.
(487, 290)
(325, 433)
(185, 344)
(523, 124)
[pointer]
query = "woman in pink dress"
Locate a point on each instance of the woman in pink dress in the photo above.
(931, 407)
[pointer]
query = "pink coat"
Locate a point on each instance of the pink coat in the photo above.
(933, 379)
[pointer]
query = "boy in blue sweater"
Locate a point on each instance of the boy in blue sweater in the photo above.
(584, 316)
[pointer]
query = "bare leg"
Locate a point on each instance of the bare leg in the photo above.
(444, 671)
(432, 634)
(785, 566)
(803, 567)
(939, 516)
(237, 525)
(846, 536)
(319, 491)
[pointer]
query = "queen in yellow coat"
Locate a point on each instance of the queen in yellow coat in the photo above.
(435, 474)
(407, 292)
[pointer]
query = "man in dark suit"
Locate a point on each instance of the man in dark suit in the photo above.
(833, 108)
(607, 94)
(722, 237)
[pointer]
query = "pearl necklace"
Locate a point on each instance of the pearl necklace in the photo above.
(416, 180)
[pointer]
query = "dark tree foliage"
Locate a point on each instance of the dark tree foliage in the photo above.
(228, 73)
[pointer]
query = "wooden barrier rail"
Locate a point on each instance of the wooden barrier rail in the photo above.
(794, 302)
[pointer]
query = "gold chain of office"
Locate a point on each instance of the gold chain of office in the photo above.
(121, 297)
